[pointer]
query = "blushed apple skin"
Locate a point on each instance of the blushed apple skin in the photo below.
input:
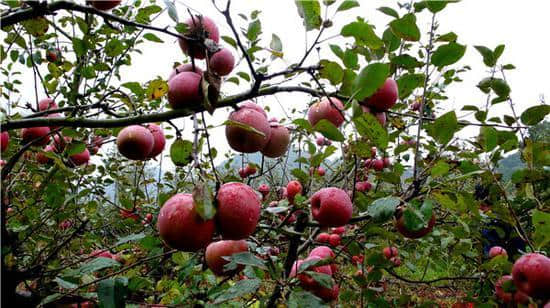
(384, 98)
(238, 211)
(326, 294)
(243, 140)
(188, 67)
(331, 207)
(496, 251)
(4, 141)
(278, 141)
(363, 186)
(159, 139)
(252, 105)
(31, 133)
(80, 158)
(104, 5)
(184, 90)
(390, 252)
(46, 104)
(400, 225)
(217, 250)
(135, 142)
(180, 226)
(325, 110)
(505, 297)
(222, 62)
(531, 273)
(43, 159)
(195, 24)
(292, 189)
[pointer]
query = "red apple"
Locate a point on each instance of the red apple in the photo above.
(278, 141)
(324, 109)
(46, 104)
(400, 225)
(242, 139)
(254, 106)
(80, 158)
(378, 165)
(250, 170)
(321, 171)
(4, 141)
(331, 207)
(60, 142)
(149, 217)
(52, 55)
(334, 240)
(390, 252)
(385, 97)
(41, 157)
(380, 116)
(2, 163)
(181, 227)
(188, 67)
(339, 230)
(396, 261)
(197, 26)
(184, 90)
(9, 210)
(358, 259)
(65, 224)
(293, 188)
(320, 141)
(159, 140)
(135, 142)
(238, 211)
(222, 62)
(217, 250)
(104, 5)
(323, 237)
(327, 294)
(503, 296)
(363, 186)
(264, 189)
(242, 173)
(497, 251)
(387, 162)
(531, 274)
(129, 214)
(31, 133)
(415, 106)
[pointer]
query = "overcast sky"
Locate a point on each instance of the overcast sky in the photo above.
(520, 25)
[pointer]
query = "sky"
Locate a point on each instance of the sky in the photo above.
(520, 25)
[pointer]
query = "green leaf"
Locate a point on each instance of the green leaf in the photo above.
(254, 29)
(181, 152)
(240, 288)
(406, 28)
(435, 6)
(441, 168)
(229, 40)
(444, 127)
(244, 258)
(408, 83)
(382, 209)
(447, 37)
(310, 11)
(79, 47)
(533, 115)
(541, 221)
(331, 71)
(498, 51)
(368, 126)
(363, 33)
(488, 138)
(406, 61)
(112, 292)
(487, 54)
(37, 26)
(370, 79)
(130, 238)
(113, 48)
(153, 38)
(347, 4)
(203, 199)
(337, 51)
(323, 279)
(75, 147)
(303, 124)
(172, 12)
(156, 89)
(276, 45)
(144, 14)
(388, 11)
(303, 299)
(327, 129)
(97, 264)
(350, 59)
(500, 87)
(448, 54)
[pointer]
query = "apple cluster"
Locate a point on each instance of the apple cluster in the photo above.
(319, 254)
(334, 238)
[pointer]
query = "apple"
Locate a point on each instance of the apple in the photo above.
(358, 259)
(503, 296)
(484, 207)
(52, 55)
(65, 224)
(531, 273)
(250, 170)
(380, 116)
(129, 214)
(293, 188)
(46, 104)
(415, 106)
(41, 157)
(104, 5)
(363, 186)
(2, 163)
(339, 230)
(322, 237)
(159, 140)
(306, 280)
(278, 141)
(400, 225)
(324, 109)
(321, 171)
(396, 261)
(320, 140)
(334, 240)
(181, 227)
(387, 162)
(264, 189)
(31, 133)
(238, 210)
(9, 210)
(252, 105)
(196, 27)
(222, 62)
(188, 67)
(384, 98)
(282, 193)
(149, 217)
(216, 251)
(390, 252)
(378, 164)
(80, 158)
(242, 139)
(60, 142)
(497, 251)
(331, 207)
(327, 294)
(135, 142)
(242, 173)
(184, 90)
(4, 141)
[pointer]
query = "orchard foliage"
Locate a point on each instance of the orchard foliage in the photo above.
(369, 196)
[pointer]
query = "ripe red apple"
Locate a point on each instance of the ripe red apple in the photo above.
(390, 252)
(396, 261)
(4, 141)
(104, 5)
(384, 98)
(358, 259)
(242, 139)
(292, 189)
(217, 250)
(149, 217)
(46, 104)
(264, 189)
(334, 240)
(250, 170)
(181, 227)
(222, 62)
(322, 237)
(278, 141)
(135, 142)
(331, 207)
(338, 230)
(325, 252)
(531, 273)
(496, 251)
(378, 164)
(363, 186)
(80, 158)
(327, 294)
(387, 162)
(197, 26)
(321, 171)
(380, 116)
(252, 105)
(159, 140)
(242, 173)
(238, 210)
(31, 133)
(320, 141)
(184, 90)
(2, 163)
(65, 224)
(324, 109)
(52, 55)
(400, 225)
(188, 67)
(41, 157)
